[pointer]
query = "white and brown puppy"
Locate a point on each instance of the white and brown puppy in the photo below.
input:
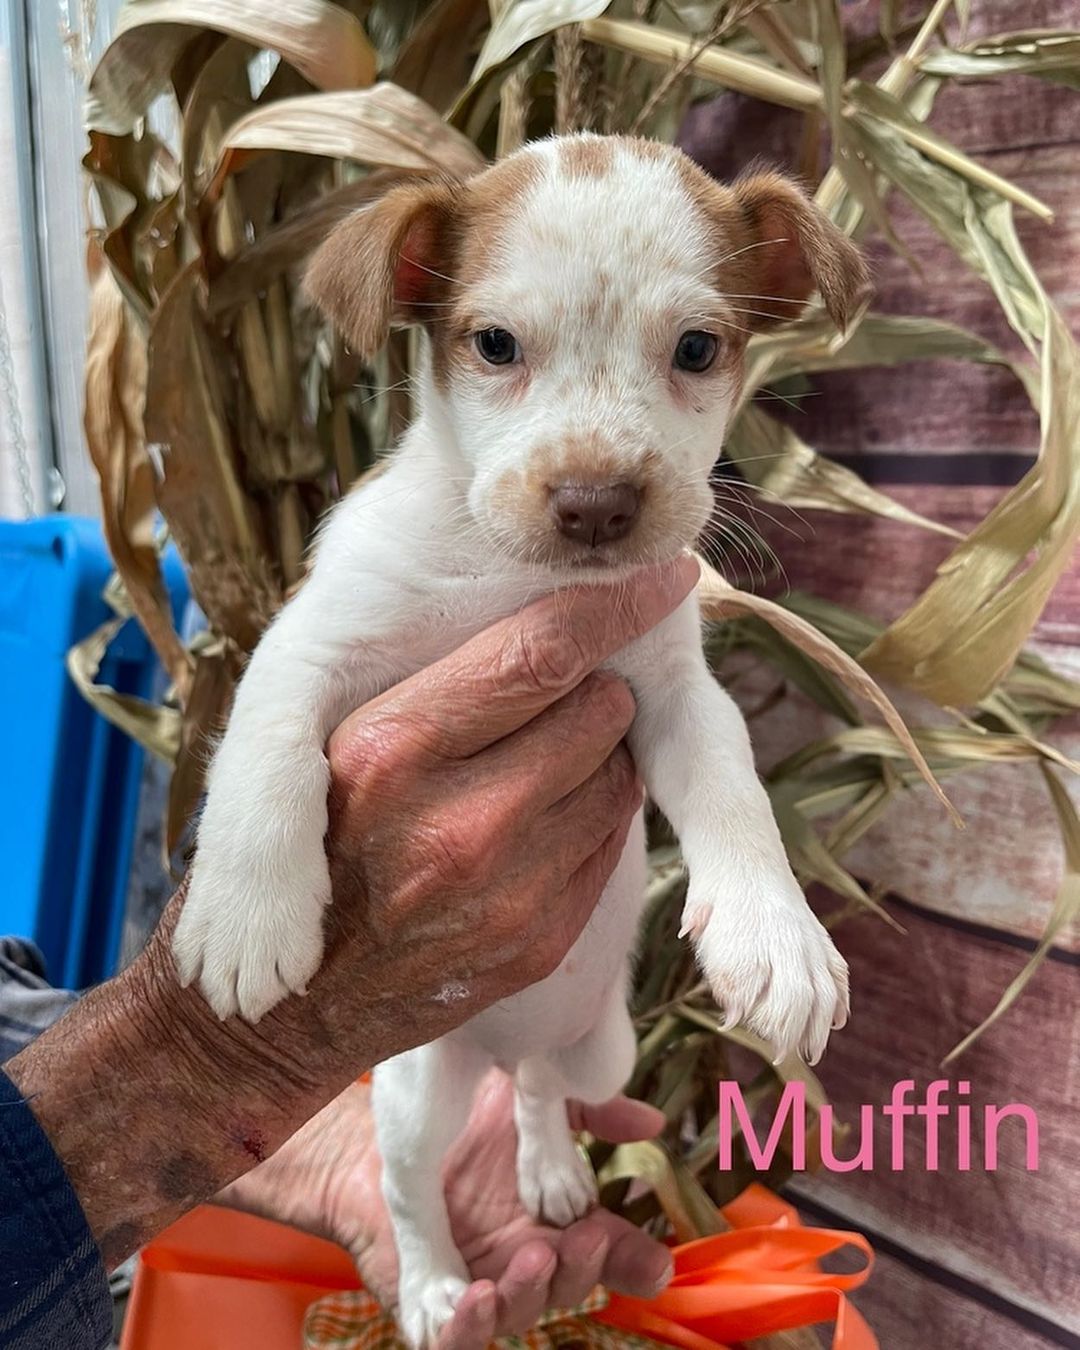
(586, 303)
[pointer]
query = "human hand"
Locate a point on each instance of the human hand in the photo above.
(476, 812)
(325, 1180)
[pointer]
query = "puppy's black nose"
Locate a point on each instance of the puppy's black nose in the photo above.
(595, 515)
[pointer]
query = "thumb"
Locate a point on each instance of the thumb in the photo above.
(506, 675)
(619, 1121)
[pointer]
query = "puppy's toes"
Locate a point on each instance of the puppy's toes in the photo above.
(426, 1306)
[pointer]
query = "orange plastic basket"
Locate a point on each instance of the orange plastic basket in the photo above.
(219, 1280)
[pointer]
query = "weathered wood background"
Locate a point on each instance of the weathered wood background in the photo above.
(976, 1260)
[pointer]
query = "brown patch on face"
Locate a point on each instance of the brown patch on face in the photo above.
(672, 513)
(728, 229)
(586, 156)
(584, 458)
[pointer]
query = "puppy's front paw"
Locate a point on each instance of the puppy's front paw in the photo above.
(771, 965)
(426, 1302)
(251, 935)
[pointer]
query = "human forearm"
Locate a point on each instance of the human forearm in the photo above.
(153, 1105)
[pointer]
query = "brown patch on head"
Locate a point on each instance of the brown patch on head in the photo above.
(488, 200)
(647, 150)
(486, 203)
(775, 248)
(586, 156)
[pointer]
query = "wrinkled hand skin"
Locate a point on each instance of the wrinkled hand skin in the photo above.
(325, 1180)
(456, 882)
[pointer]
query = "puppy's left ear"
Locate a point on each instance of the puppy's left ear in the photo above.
(794, 250)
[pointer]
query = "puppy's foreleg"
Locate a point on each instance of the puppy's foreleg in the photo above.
(250, 929)
(422, 1101)
(768, 959)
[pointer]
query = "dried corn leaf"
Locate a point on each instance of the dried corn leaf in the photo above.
(436, 58)
(871, 101)
(115, 390)
(523, 21)
(688, 1209)
(285, 246)
(961, 637)
(1030, 680)
(845, 833)
(1065, 911)
(217, 669)
(720, 601)
(1052, 56)
(774, 35)
(130, 175)
(220, 94)
(887, 19)
(384, 126)
(840, 785)
(153, 726)
(212, 519)
(774, 458)
(800, 669)
(811, 861)
(948, 748)
(322, 40)
(811, 345)
(747, 75)
(858, 178)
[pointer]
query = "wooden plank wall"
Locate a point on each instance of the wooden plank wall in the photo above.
(975, 1260)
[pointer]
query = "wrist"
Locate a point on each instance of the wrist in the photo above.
(153, 1105)
(269, 1072)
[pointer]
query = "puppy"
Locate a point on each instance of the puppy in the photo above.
(586, 304)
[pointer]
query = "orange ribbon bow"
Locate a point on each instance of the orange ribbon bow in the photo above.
(762, 1277)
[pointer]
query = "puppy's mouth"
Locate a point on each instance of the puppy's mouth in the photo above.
(581, 561)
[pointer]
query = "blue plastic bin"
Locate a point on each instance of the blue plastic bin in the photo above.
(69, 790)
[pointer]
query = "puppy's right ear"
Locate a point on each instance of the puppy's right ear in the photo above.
(384, 264)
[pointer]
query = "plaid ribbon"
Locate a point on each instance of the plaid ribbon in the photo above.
(356, 1321)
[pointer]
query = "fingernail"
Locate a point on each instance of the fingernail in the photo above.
(678, 577)
(665, 1278)
(687, 571)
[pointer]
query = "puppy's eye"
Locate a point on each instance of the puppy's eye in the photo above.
(497, 346)
(696, 351)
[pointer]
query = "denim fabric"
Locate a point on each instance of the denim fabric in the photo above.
(54, 1294)
(28, 1004)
